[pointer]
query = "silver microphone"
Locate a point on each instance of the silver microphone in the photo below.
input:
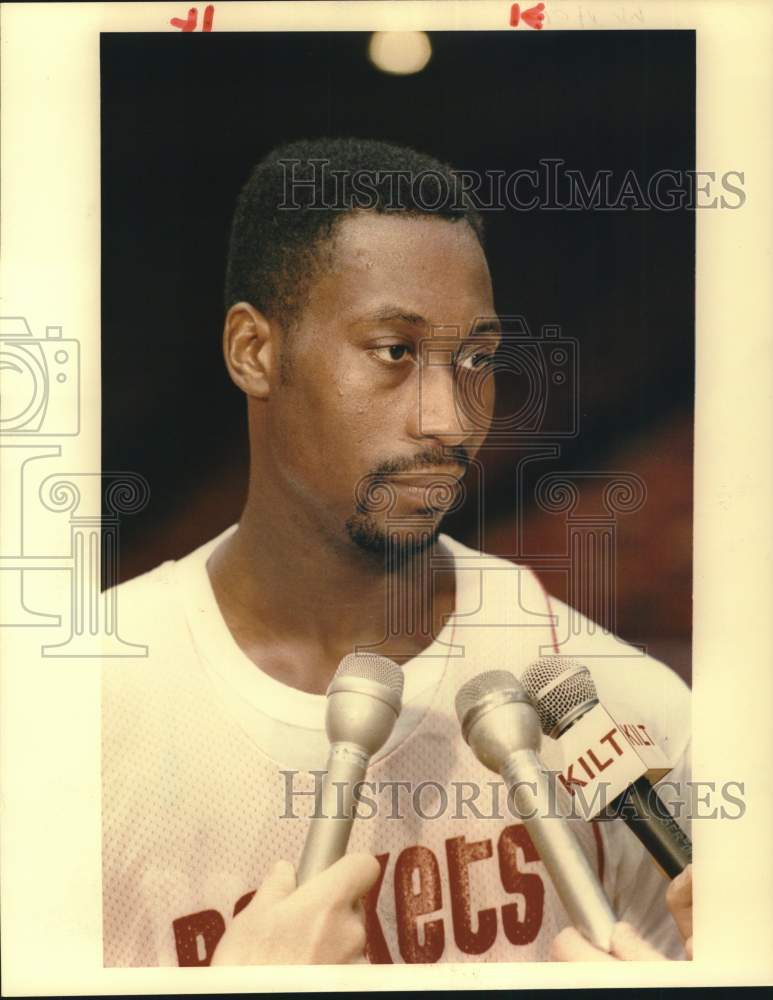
(364, 700)
(562, 690)
(502, 728)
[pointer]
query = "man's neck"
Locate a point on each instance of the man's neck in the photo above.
(297, 613)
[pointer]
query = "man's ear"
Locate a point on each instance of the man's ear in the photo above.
(250, 349)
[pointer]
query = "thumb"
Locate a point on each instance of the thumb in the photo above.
(629, 946)
(570, 946)
(679, 901)
(277, 885)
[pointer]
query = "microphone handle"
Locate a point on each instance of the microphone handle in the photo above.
(654, 825)
(574, 879)
(331, 824)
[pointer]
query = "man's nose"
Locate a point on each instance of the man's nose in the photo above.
(440, 415)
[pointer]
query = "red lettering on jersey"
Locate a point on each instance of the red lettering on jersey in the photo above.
(242, 901)
(376, 948)
(410, 905)
(196, 936)
(460, 856)
(520, 930)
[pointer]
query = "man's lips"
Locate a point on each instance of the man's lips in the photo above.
(426, 479)
(434, 490)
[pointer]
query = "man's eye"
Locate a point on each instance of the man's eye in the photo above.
(476, 360)
(393, 353)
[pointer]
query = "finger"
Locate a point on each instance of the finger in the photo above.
(629, 946)
(679, 901)
(346, 944)
(571, 946)
(355, 938)
(345, 881)
(277, 885)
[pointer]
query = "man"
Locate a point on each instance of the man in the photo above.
(358, 445)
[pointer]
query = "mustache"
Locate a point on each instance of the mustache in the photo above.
(432, 458)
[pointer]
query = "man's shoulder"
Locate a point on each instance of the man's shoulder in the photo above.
(633, 685)
(153, 582)
(581, 637)
(466, 553)
(153, 612)
(508, 582)
(627, 678)
(161, 583)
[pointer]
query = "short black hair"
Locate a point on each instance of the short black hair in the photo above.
(294, 197)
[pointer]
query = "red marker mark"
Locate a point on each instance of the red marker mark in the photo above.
(189, 24)
(533, 16)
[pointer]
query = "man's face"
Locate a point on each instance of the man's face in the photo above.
(362, 425)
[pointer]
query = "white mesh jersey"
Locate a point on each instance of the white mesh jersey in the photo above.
(206, 759)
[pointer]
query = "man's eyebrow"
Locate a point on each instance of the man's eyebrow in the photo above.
(388, 313)
(490, 324)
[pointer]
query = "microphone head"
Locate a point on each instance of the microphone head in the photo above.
(561, 689)
(491, 685)
(371, 667)
(496, 717)
(364, 699)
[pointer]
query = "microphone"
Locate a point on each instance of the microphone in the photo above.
(364, 700)
(502, 728)
(567, 703)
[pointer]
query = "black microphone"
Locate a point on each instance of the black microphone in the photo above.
(565, 696)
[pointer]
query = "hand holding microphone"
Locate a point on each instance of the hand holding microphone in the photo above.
(316, 917)
(627, 945)
(320, 923)
(679, 902)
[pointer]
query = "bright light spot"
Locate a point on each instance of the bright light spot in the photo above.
(400, 52)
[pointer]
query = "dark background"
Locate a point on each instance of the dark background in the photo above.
(185, 117)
